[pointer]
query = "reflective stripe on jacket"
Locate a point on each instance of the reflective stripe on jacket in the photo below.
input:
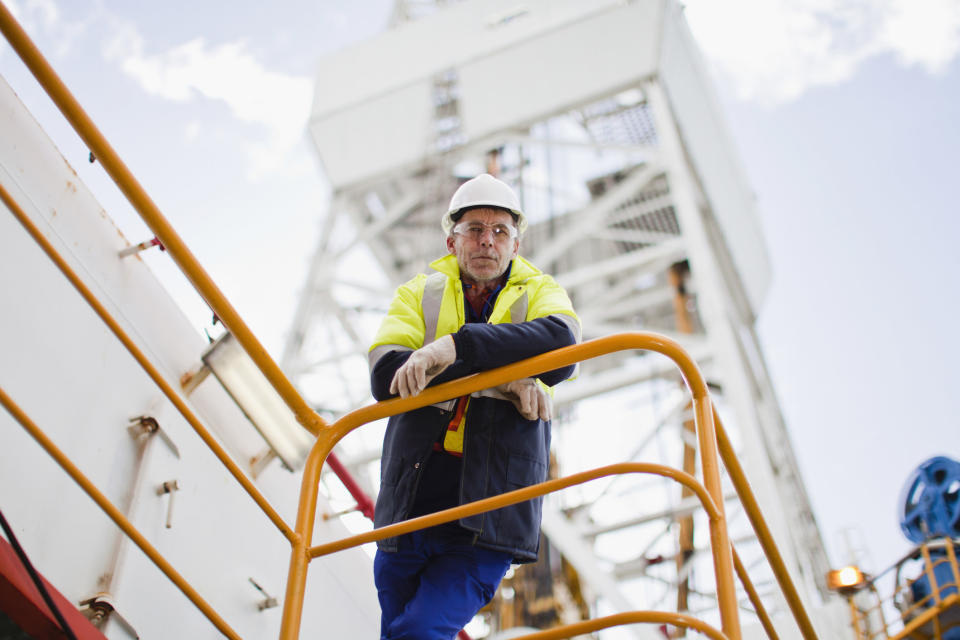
(502, 451)
(430, 307)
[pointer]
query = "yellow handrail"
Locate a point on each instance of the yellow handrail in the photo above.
(931, 611)
(138, 355)
(153, 217)
(629, 617)
(758, 607)
(332, 434)
(115, 514)
(141, 358)
(764, 536)
(712, 439)
(515, 496)
(703, 418)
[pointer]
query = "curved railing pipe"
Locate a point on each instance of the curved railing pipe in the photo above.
(328, 436)
(630, 617)
(517, 496)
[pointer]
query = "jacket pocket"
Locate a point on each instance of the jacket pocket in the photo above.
(523, 471)
(391, 469)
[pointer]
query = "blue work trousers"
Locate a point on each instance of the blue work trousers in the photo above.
(430, 587)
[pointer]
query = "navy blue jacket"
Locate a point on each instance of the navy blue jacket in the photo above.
(502, 450)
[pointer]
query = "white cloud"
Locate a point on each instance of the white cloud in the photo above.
(29, 11)
(775, 50)
(227, 73)
(924, 32)
(43, 18)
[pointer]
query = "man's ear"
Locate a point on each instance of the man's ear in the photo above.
(450, 244)
(516, 247)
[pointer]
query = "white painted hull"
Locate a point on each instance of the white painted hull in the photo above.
(77, 382)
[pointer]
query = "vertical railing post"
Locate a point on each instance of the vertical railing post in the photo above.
(855, 616)
(303, 534)
(931, 576)
(951, 554)
(719, 537)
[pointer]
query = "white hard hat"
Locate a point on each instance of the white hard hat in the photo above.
(483, 191)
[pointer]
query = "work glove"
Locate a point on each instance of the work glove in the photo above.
(530, 399)
(422, 366)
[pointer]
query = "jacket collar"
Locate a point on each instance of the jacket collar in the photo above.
(519, 271)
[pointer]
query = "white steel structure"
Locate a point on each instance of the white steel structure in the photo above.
(601, 115)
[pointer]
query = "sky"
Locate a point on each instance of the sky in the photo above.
(851, 157)
(844, 113)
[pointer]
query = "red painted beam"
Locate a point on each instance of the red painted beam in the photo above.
(23, 604)
(364, 503)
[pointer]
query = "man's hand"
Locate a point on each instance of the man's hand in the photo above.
(422, 366)
(529, 398)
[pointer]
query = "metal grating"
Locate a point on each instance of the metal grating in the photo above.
(612, 122)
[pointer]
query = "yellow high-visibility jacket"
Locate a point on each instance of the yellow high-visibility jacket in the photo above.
(501, 450)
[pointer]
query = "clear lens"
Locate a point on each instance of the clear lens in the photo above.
(476, 230)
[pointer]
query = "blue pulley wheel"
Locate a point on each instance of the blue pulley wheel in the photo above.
(930, 503)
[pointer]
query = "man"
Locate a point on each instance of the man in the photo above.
(483, 308)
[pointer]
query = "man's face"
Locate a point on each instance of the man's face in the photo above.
(485, 256)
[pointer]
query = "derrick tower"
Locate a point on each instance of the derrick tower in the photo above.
(601, 115)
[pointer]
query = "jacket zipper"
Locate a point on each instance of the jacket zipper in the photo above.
(463, 469)
(418, 465)
(486, 485)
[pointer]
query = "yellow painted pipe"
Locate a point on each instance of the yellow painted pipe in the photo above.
(764, 536)
(952, 557)
(519, 495)
(153, 217)
(758, 607)
(144, 362)
(928, 615)
(931, 576)
(855, 616)
(629, 617)
(720, 544)
(74, 472)
(328, 437)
